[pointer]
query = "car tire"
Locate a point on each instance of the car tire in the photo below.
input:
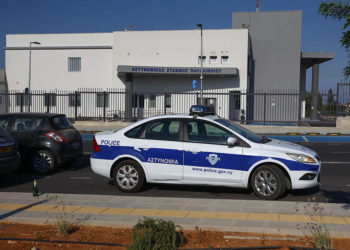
(43, 162)
(128, 176)
(268, 182)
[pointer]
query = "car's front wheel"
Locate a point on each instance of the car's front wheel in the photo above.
(128, 176)
(268, 182)
(43, 162)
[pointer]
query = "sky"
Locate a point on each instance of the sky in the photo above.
(81, 16)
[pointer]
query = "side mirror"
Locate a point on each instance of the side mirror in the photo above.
(231, 141)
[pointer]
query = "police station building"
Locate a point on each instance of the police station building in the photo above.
(260, 52)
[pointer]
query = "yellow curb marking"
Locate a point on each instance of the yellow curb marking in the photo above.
(260, 216)
(173, 213)
(202, 214)
(118, 211)
(145, 212)
(232, 215)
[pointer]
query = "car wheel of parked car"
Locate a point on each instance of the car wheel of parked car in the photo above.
(128, 176)
(44, 162)
(268, 182)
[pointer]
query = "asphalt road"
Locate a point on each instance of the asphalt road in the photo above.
(79, 179)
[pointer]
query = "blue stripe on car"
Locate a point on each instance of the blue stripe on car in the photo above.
(226, 161)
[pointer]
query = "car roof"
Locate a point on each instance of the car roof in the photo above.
(211, 117)
(41, 115)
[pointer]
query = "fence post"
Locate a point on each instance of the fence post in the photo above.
(264, 108)
(104, 105)
(76, 106)
(337, 106)
(47, 96)
(22, 98)
(164, 104)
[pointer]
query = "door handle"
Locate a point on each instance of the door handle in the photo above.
(145, 147)
(193, 151)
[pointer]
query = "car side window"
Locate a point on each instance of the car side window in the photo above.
(206, 132)
(26, 124)
(4, 123)
(134, 132)
(163, 130)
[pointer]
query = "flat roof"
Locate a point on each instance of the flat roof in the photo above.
(310, 58)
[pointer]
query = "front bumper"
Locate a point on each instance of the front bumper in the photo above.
(302, 184)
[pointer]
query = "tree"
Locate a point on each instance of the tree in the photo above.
(339, 11)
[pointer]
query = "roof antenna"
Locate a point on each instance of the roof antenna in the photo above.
(257, 5)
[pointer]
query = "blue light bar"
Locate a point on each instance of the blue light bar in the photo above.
(202, 110)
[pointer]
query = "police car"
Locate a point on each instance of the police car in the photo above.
(202, 148)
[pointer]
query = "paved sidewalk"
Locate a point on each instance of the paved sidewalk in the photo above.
(211, 214)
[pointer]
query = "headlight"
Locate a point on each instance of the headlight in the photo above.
(302, 158)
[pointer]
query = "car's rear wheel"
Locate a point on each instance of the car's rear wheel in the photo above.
(268, 182)
(128, 176)
(43, 162)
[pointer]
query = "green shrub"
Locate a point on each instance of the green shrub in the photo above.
(153, 234)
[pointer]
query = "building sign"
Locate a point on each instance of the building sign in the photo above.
(176, 70)
(194, 84)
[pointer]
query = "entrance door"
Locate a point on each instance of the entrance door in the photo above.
(234, 105)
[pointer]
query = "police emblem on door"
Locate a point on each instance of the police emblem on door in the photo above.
(213, 159)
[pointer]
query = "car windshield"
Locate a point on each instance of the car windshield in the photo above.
(246, 133)
(60, 122)
(3, 132)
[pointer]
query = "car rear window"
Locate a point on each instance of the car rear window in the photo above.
(60, 122)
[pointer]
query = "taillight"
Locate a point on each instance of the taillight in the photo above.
(56, 137)
(95, 147)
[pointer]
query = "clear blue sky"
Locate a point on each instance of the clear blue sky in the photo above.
(79, 16)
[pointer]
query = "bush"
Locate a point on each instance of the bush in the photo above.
(153, 234)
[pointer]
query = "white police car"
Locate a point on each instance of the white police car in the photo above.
(201, 148)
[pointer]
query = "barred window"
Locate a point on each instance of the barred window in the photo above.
(20, 101)
(168, 100)
(74, 64)
(100, 100)
(152, 101)
(50, 99)
(74, 100)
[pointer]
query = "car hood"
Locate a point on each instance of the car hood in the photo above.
(284, 146)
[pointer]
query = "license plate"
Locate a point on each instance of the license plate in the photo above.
(76, 144)
(5, 150)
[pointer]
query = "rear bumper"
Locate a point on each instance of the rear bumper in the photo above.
(9, 164)
(66, 152)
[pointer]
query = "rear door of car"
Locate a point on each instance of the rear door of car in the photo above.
(25, 130)
(161, 146)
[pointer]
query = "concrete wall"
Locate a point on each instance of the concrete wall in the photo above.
(181, 48)
(276, 40)
(50, 66)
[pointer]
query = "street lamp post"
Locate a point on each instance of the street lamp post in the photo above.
(30, 71)
(201, 27)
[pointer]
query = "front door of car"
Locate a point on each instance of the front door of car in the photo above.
(162, 149)
(207, 157)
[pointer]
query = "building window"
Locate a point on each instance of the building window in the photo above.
(224, 60)
(152, 101)
(74, 64)
(100, 100)
(50, 99)
(20, 101)
(74, 100)
(213, 59)
(203, 59)
(138, 101)
(168, 100)
(0, 100)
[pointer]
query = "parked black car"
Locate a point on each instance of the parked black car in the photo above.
(9, 156)
(45, 141)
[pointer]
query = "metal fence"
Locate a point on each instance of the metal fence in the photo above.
(282, 107)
